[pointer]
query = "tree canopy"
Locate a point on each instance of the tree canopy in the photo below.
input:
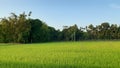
(22, 29)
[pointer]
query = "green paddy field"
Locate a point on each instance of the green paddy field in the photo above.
(89, 54)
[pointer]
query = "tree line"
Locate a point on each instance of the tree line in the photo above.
(23, 29)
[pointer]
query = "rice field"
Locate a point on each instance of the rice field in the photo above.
(89, 54)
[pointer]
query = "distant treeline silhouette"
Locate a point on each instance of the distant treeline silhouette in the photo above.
(23, 29)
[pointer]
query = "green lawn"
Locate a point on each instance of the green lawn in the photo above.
(102, 54)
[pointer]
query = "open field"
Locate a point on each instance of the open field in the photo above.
(102, 54)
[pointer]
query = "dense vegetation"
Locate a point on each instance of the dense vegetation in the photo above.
(23, 29)
(104, 54)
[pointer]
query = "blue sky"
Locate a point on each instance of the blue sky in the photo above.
(58, 13)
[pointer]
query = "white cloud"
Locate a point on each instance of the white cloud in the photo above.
(116, 6)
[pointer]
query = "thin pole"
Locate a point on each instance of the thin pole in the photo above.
(74, 37)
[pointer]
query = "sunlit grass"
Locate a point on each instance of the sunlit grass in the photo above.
(61, 55)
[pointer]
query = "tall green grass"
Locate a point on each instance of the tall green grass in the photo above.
(103, 54)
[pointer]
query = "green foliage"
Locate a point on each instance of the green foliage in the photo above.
(105, 31)
(72, 33)
(35, 32)
(15, 29)
(22, 29)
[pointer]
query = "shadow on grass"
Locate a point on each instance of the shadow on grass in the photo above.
(30, 65)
